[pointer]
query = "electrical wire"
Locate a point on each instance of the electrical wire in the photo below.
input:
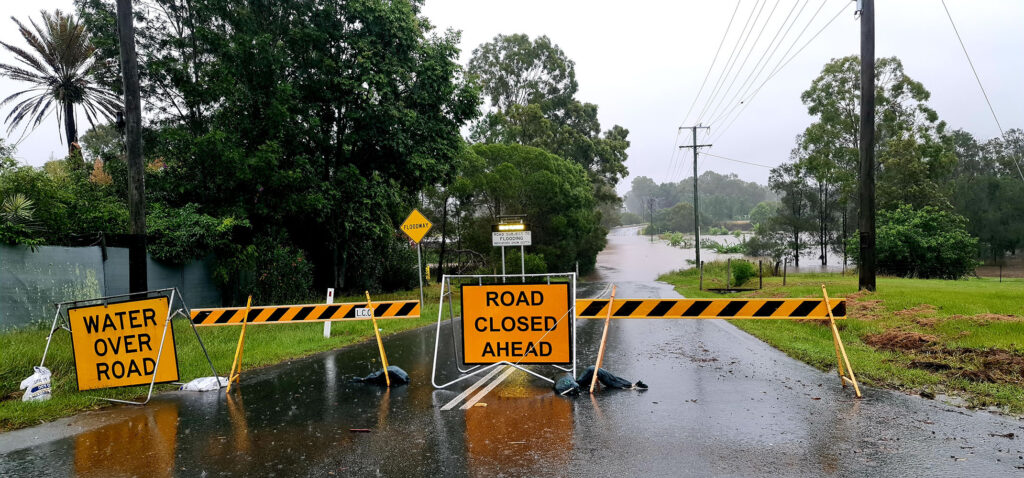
(743, 64)
(736, 160)
(765, 60)
(1016, 161)
(728, 26)
(728, 63)
(780, 68)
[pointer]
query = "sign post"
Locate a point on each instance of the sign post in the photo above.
(327, 324)
(512, 231)
(416, 226)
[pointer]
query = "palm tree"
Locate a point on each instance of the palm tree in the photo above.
(59, 64)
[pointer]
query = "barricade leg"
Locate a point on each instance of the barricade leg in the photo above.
(380, 343)
(842, 349)
(604, 341)
(236, 364)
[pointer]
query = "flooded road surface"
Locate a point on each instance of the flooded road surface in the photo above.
(720, 403)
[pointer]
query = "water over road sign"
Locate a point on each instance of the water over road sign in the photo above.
(117, 345)
(416, 226)
(521, 324)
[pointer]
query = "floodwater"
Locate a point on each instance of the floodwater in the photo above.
(720, 403)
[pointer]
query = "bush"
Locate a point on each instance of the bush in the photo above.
(741, 272)
(179, 235)
(926, 243)
(269, 270)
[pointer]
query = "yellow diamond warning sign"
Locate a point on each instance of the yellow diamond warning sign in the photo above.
(416, 226)
(117, 345)
(524, 323)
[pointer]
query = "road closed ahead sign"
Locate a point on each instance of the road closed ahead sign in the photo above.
(116, 345)
(524, 323)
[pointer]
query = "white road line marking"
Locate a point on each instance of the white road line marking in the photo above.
(488, 388)
(455, 401)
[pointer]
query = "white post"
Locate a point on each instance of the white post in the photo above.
(327, 323)
(522, 261)
(419, 271)
(502, 264)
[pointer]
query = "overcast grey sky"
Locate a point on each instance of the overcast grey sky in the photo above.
(643, 63)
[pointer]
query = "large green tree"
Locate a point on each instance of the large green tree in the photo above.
(913, 158)
(59, 64)
(554, 194)
(531, 87)
(315, 122)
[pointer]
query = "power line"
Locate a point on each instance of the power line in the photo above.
(761, 64)
(737, 160)
(710, 68)
(780, 68)
(743, 64)
(727, 68)
(795, 41)
(978, 79)
(671, 168)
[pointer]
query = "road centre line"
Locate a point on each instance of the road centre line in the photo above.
(455, 401)
(476, 398)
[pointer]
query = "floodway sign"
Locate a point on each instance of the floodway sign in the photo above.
(416, 226)
(117, 345)
(511, 238)
(522, 324)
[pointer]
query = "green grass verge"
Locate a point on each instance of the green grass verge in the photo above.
(967, 336)
(265, 345)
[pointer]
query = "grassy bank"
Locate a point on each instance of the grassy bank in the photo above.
(962, 338)
(264, 345)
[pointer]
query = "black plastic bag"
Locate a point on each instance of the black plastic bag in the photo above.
(397, 375)
(607, 379)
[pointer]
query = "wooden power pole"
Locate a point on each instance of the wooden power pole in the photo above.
(696, 200)
(133, 149)
(866, 277)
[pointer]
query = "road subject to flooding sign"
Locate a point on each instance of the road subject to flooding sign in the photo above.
(523, 323)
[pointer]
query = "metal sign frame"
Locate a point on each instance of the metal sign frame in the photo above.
(61, 321)
(448, 290)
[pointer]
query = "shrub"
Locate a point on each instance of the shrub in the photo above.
(926, 243)
(741, 272)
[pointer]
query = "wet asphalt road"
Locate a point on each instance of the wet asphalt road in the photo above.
(720, 403)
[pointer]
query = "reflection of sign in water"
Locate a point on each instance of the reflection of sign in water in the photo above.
(513, 238)
(117, 345)
(500, 443)
(525, 323)
(140, 445)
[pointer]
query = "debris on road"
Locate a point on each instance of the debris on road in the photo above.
(397, 375)
(567, 385)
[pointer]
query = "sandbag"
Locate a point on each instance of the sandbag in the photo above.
(37, 385)
(205, 384)
(397, 375)
(566, 385)
(607, 379)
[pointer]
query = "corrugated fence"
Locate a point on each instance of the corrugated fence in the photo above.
(31, 282)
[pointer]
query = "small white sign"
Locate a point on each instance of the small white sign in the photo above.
(364, 313)
(511, 238)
